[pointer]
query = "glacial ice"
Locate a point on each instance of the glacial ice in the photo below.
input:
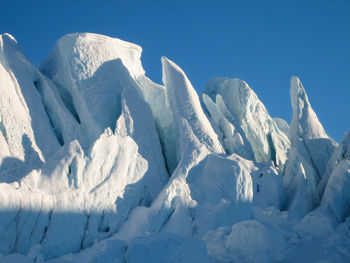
(90, 72)
(336, 196)
(33, 120)
(230, 137)
(310, 153)
(300, 185)
(267, 141)
(252, 241)
(185, 107)
(342, 152)
(100, 164)
(306, 133)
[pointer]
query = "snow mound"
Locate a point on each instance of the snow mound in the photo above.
(168, 248)
(251, 241)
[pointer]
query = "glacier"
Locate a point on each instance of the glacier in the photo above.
(98, 163)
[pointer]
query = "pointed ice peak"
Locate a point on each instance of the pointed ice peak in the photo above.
(176, 73)
(8, 37)
(305, 123)
(185, 105)
(306, 133)
(9, 50)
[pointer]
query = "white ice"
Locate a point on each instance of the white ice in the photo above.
(100, 164)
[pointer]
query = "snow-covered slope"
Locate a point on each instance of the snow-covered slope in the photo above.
(100, 164)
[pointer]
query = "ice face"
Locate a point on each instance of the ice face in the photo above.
(231, 138)
(300, 185)
(185, 105)
(33, 120)
(336, 181)
(306, 133)
(90, 72)
(248, 114)
(305, 123)
(66, 173)
(155, 96)
(99, 161)
(342, 152)
(282, 125)
(77, 198)
(311, 151)
(336, 196)
(137, 122)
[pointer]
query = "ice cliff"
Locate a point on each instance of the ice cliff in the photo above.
(100, 164)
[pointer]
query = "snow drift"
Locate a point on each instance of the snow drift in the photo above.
(100, 164)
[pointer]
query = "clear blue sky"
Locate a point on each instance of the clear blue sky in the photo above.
(262, 42)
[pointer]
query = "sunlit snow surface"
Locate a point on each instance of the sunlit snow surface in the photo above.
(100, 164)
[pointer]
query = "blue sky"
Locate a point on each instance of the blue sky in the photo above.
(262, 42)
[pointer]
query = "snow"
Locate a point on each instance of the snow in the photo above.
(282, 125)
(267, 141)
(135, 119)
(340, 153)
(100, 164)
(251, 241)
(26, 133)
(184, 104)
(93, 192)
(168, 247)
(156, 98)
(300, 185)
(337, 195)
(90, 72)
(105, 251)
(306, 133)
(230, 137)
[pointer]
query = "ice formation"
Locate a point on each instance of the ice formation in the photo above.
(100, 164)
(241, 106)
